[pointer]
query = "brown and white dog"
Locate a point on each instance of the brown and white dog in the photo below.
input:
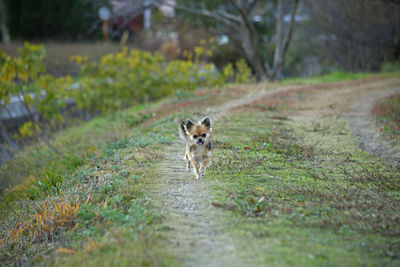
(198, 144)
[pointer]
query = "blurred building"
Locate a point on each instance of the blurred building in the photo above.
(135, 16)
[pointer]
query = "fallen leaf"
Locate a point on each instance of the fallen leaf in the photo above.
(105, 202)
(215, 204)
(65, 250)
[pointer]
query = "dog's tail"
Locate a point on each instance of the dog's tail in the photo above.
(182, 130)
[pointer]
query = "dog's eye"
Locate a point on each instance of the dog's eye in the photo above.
(204, 135)
(195, 136)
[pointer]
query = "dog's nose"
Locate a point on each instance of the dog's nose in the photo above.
(200, 140)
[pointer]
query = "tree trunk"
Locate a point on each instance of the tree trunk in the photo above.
(250, 53)
(242, 22)
(34, 121)
(3, 132)
(282, 41)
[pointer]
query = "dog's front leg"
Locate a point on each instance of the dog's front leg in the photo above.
(187, 162)
(187, 157)
(196, 167)
(204, 165)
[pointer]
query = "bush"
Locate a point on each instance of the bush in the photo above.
(391, 66)
(133, 76)
(242, 74)
(118, 81)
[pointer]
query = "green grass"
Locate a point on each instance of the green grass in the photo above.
(309, 189)
(336, 76)
(297, 192)
(76, 144)
(110, 190)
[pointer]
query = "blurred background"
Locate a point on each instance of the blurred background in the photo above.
(354, 35)
(63, 61)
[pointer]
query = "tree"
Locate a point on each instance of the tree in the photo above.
(60, 19)
(239, 19)
(356, 35)
(41, 95)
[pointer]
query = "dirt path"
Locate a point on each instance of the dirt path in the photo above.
(363, 126)
(196, 231)
(353, 101)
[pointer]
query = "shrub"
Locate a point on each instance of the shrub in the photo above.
(242, 74)
(391, 66)
(134, 76)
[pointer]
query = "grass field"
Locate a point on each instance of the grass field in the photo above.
(288, 185)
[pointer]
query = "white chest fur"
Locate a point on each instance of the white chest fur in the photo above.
(201, 152)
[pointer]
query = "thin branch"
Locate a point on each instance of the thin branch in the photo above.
(282, 43)
(219, 16)
(288, 36)
(229, 16)
(249, 25)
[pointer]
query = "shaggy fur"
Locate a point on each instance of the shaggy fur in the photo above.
(198, 144)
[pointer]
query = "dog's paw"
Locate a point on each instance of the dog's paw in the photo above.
(199, 176)
(188, 169)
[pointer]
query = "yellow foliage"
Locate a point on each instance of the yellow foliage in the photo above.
(243, 72)
(27, 129)
(78, 59)
(228, 72)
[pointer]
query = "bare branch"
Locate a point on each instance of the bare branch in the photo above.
(289, 32)
(282, 42)
(223, 17)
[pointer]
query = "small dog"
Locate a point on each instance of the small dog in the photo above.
(198, 144)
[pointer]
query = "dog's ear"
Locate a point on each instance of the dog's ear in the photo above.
(206, 122)
(189, 124)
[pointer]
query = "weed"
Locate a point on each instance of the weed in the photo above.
(283, 141)
(48, 221)
(111, 147)
(34, 188)
(387, 113)
(136, 119)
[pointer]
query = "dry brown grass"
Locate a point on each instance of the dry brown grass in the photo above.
(44, 225)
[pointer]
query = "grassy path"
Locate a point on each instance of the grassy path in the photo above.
(198, 234)
(195, 231)
(363, 126)
(288, 186)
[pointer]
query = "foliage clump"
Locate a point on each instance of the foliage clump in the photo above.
(388, 115)
(117, 81)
